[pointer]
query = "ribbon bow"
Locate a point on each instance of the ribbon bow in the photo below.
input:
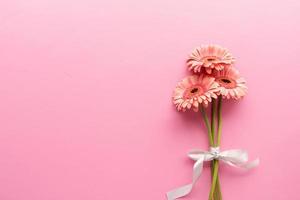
(234, 157)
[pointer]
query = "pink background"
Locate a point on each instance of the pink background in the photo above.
(86, 88)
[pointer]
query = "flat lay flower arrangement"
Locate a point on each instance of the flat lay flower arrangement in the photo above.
(214, 80)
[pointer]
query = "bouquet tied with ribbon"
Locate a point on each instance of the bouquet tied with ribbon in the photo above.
(214, 78)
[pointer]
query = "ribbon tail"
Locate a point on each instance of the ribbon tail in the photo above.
(250, 165)
(244, 165)
(185, 190)
(238, 158)
(180, 192)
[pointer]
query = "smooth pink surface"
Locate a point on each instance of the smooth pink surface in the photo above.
(86, 88)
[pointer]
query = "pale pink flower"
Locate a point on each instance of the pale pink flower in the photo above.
(209, 57)
(194, 91)
(232, 85)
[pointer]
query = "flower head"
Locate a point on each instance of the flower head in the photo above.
(209, 57)
(194, 91)
(231, 84)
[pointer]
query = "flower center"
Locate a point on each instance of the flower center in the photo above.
(210, 59)
(194, 90)
(226, 82)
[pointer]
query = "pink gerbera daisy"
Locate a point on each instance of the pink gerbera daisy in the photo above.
(193, 91)
(209, 57)
(232, 85)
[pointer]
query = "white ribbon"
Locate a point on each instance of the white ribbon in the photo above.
(234, 157)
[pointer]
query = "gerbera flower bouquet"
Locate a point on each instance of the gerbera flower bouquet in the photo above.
(214, 78)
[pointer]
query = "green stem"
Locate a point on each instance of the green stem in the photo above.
(213, 114)
(219, 120)
(214, 180)
(207, 124)
(215, 192)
